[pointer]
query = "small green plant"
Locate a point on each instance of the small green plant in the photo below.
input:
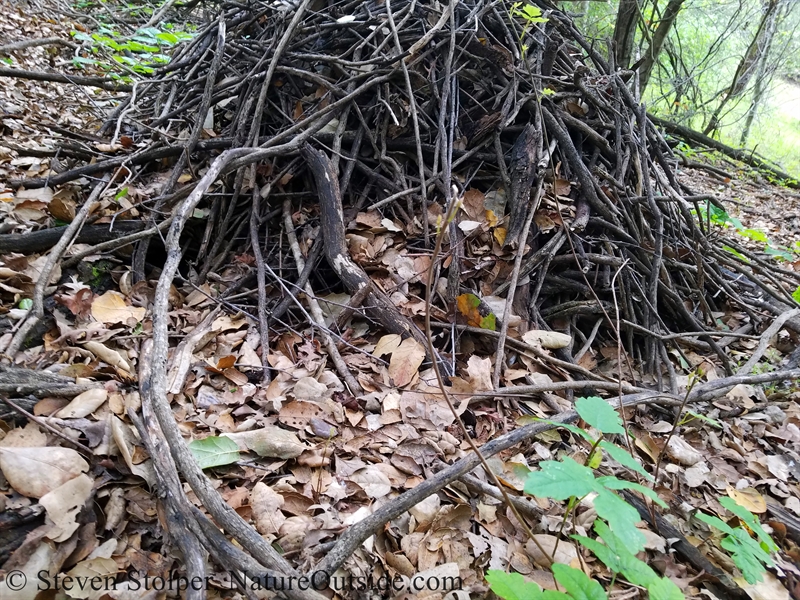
(138, 53)
(618, 540)
(718, 216)
(531, 15)
(749, 555)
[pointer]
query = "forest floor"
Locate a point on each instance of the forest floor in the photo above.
(310, 460)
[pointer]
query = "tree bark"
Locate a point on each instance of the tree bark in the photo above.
(659, 37)
(625, 32)
(744, 72)
(763, 76)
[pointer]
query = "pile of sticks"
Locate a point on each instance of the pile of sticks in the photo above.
(408, 99)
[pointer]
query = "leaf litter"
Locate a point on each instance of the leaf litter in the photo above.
(302, 458)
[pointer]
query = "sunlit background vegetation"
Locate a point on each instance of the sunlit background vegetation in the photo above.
(709, 41)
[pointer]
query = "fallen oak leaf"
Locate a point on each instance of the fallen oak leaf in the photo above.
(63, 505)
(405, 361)
(36, 471)
(83, 404)
(112, 308)
(269, 441)
(125, 441)
(266, 504)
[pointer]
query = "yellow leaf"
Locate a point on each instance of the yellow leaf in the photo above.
(111, 308)
(749, 498)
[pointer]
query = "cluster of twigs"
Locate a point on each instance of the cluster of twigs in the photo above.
(408, 99)
(398, 107)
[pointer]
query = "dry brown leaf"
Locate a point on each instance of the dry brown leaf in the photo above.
(769, 588)
(387, 344)
(749, 498)
(22, 437)
(425, 511)
(248, 356)
(36, 471)
(40, 563)
(100, 572)
(742, 395)
(44, 194)
(266, 505)
(63, 505)
(111, 308)
(62, 209)
(110, 356)
(552, 340)
(565, 553)
(126, 442)
(480, 373)
(269, 441)
(405, 361)
(373, 481)
(426, 412)
(308, 388)
(681, 451)
(474, 203)
(83, 404)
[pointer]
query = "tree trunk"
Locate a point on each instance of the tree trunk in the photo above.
(744, 71)
(659, 37)
(763, 77)
(625, 32)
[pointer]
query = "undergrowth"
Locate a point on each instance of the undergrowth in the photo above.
(618, 540)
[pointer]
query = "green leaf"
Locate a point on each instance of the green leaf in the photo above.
(169, 38)
(796, 295)
(747, 555)
(578, 584)
(25, 303)
(779, 253)
(665, 589)
(709, 420)
(621, 517)
(634, 570)
(608, 557)
(736, 253)
(83, 37)
(214, 451)
(554, 595)
(573, 429)
(613, 483)
(135, 46)
(599, 414)
(512, 586)
(751, 521)
(754, 234)
(561, 480)
(624, 458)
(714, 522)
